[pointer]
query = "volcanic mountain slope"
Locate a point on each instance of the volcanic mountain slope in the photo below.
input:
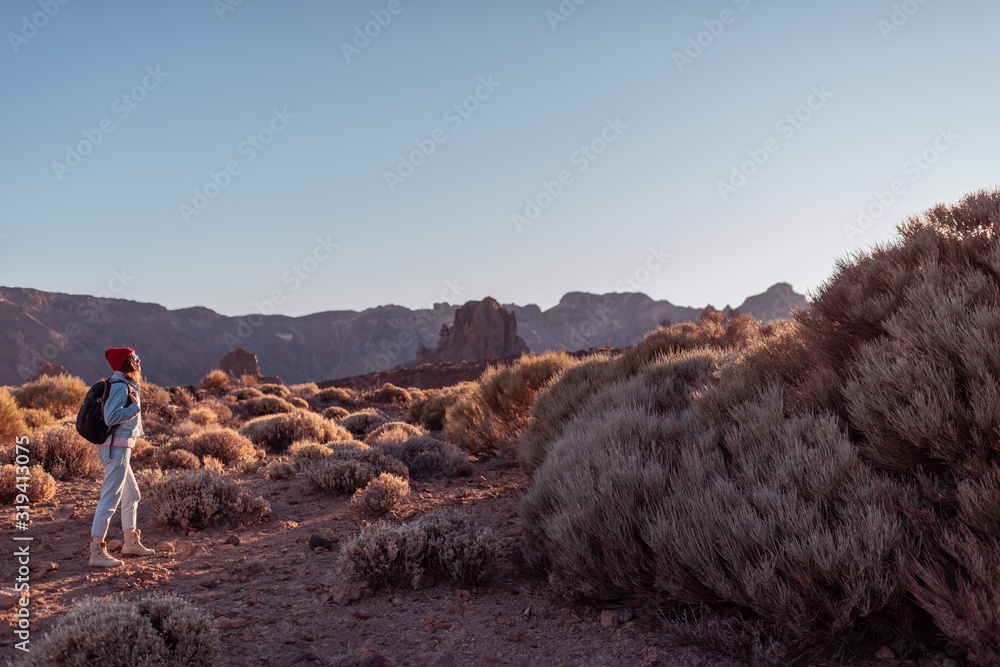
(180, 346)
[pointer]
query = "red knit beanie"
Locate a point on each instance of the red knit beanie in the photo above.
(117, 356)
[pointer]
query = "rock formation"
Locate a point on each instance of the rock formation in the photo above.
(239, 362)
(482, 330)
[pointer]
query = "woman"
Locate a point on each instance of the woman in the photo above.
(121, 414)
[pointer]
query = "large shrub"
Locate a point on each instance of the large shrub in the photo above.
(495, 411)
(216, 381)
(427, 457)
(381, 495)
(60, 395)
(904, 344)
(12, 424)
(224, 444)
(40, 484)
(363, 421)
(200, 498)
(428, 408)
(279, 431)
(151, 630)
(64, 454)
(442, 544)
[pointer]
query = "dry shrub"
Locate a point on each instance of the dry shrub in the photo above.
(216, 381)
(212, 464)
(224, 444)
(244, 393)
(179, 459)
(36, 418)
(429, 407)
(495, 411)
(266, 405)
(65, 454)
(341, 396)
(198, 498)
(182, 397)
(349, 468)
(335, 412)
(185, 429)
(428, 458)
(381, 495)
(278, 432)
(155, 399)
(40, 485)
(441, 544)
(59, 395)
(12, 424)
(363, 421)
(299, 403)
(388, 393)
(642, 499)
(147, 477)
(279, 390)
(305, 390)
(393, 433)
(308, 450)
(278, 469)
(202, 415)
(152, 630)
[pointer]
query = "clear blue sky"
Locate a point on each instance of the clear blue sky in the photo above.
(681, 128)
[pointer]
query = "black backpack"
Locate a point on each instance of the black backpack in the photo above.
(90, 420)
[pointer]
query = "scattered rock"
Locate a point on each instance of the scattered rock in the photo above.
(624, 616)
(363, 614)
(344, 595)
(464, 594)
(513, 636)
(183, 547)
(230, 623)
(8, 599)
(200, 552)
(885, 653)
(114, 545)
(609, 618)
(120, 584)
(165, 547)
(232, 539)
(318, 541)
(63, 513)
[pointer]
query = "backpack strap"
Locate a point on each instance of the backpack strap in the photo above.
(111, 433)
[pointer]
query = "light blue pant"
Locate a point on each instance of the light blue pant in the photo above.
(119, 486)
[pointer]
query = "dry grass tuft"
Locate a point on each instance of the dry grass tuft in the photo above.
(12, 423)
(216, 381)
(278, 432)
(40, 485)
(64, 454)
(427, 457)
(224, 444)
(363, 421)
(429, 407)
(349, 468)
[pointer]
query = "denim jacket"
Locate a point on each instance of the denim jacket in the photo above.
(116, 412)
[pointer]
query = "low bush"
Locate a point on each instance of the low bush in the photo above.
(150, 630)
(199, 498)
(224, 444)
(428, 409)
(216, 381)
(448, 545)
(428, 458)
(335, 412)
(349, 468)
(179, 459)
(12, 423)
(202, 415)
(381, 495)
(341, 396)
(36, 418)
(393, 433)
(363, 421)
(212, 464)
(59, 395)
(278, 469)
(279, 390)
(299, 403)
(265, 405)
(493, 413)
(146, 477)
(244, 393)
(307, 450)
(40, 485)
(64, 454)
(305, 390)
(388, 393)
(278, 432)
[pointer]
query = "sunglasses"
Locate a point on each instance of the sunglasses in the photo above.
(135, 358)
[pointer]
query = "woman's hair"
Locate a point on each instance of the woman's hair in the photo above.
(131, 371)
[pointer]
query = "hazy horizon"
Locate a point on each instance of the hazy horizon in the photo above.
(227, 154)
